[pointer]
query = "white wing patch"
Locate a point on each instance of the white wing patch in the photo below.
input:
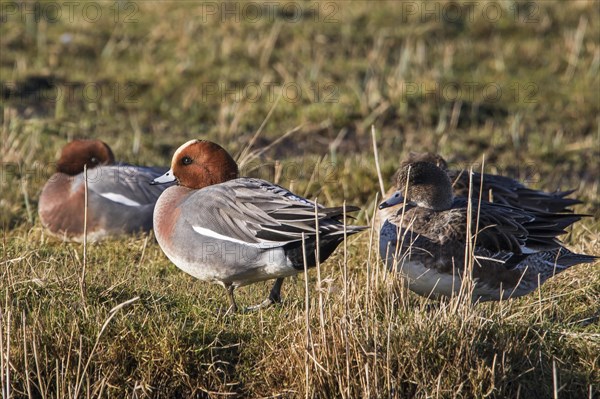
(121, 199)
(213, 234)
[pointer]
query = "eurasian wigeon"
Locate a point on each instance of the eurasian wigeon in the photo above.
(236, 231)
(120, 201)
(494, 188)
(513, 249)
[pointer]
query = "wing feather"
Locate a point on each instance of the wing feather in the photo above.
(129, 182)
(256, 212)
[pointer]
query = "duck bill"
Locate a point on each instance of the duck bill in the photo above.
(168, 177)
(395, 199)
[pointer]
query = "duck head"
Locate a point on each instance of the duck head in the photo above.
(424, 184)
(430, 157)
(198, 164)
(79, 153)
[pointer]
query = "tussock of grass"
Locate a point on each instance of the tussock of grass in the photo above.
(368, 336)
(174, 340)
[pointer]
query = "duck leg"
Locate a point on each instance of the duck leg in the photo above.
(274, 296)
(232, 305)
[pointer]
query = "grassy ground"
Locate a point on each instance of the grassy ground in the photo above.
(514, 81)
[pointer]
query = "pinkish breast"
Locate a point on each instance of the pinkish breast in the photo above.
(61, 208)
(167, 212)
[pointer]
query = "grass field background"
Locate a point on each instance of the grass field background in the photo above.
(514, 83)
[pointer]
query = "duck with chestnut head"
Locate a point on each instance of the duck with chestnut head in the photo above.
(425, 240)
(234, 231)
(119, 198)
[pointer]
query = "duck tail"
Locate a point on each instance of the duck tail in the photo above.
(567, 259)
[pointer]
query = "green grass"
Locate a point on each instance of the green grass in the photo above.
(373, 65)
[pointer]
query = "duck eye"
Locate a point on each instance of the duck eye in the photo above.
(186, 160)
(93, 160)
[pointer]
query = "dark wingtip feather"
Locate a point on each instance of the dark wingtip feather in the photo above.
(571, 259)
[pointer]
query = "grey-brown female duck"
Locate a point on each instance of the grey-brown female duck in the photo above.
(513, 249)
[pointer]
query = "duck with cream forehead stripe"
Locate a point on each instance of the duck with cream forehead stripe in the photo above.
(237, 231)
